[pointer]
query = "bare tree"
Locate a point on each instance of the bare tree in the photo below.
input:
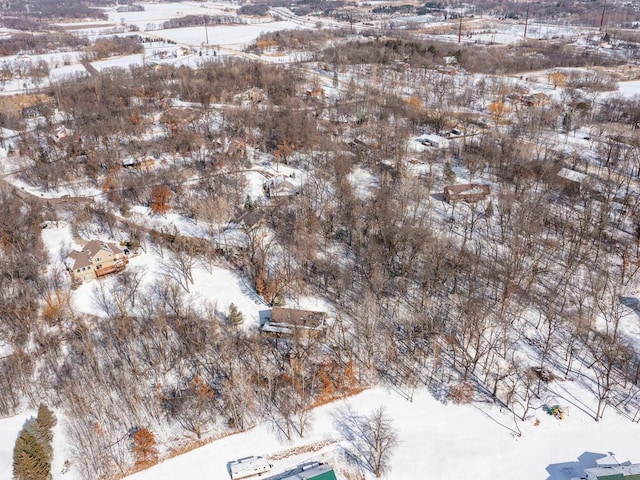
(373, 438)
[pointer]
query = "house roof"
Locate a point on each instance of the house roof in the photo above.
(90, 250)
(249, 218)
(631, 472)
(281, 185)
(572, 175)
(463, 189)
(285, 320)
(312, 471)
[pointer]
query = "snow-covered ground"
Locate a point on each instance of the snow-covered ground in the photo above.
(10, 429)
(476, 441)
(155, 14)
(437, 440)
(238, 36)
(626, 89)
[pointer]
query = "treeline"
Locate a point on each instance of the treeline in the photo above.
(200, 20)
(112, 46)
(52, 9)
(28, 43)
(474, 59)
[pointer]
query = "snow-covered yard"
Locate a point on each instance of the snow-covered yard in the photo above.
(436, 441)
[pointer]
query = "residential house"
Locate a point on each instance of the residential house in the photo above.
(144, 165)
(175, 116)
(435, 141)
(310, 471)
(182, 51)
(281, 186)
(572, 181)
(250, 219)
(95, 260)
(251, 97)
(291, 321)
(613, 472)
(466, 192)
(236, 147)
(536, 99)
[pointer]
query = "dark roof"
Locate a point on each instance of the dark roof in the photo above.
(286, 320)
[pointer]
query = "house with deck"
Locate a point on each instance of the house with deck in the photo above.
(95, 260)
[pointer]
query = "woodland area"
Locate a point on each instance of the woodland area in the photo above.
(425, 294)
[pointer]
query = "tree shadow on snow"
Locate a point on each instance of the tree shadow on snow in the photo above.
(569, 470)
(352, 427)
(631, 302)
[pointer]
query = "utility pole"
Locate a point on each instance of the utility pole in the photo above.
(206, 33)
(460, 28)
(604, 7)
(526, 23)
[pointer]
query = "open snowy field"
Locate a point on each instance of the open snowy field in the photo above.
(155, 14)
(225, 35)
(626, 89)
(436, 441)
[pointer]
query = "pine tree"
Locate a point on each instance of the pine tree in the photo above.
(42, 427)
(235, 315)
(448, 173)
(33, 452)
(30, 460)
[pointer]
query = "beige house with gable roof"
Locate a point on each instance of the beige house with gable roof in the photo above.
(95, 260)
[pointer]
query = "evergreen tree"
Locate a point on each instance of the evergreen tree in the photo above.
(33, 451)
(448, 173)
(30, 461)
(235, 315)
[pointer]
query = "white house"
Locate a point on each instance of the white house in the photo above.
(431, 140)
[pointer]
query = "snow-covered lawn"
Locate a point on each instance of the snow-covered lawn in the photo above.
(441, 441)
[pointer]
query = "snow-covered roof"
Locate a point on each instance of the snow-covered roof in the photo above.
(613, 471)
(311, 471)
(91, 249)
(432, 139)
(572, 175)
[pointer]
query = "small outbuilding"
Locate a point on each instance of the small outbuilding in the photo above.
(466, 192)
